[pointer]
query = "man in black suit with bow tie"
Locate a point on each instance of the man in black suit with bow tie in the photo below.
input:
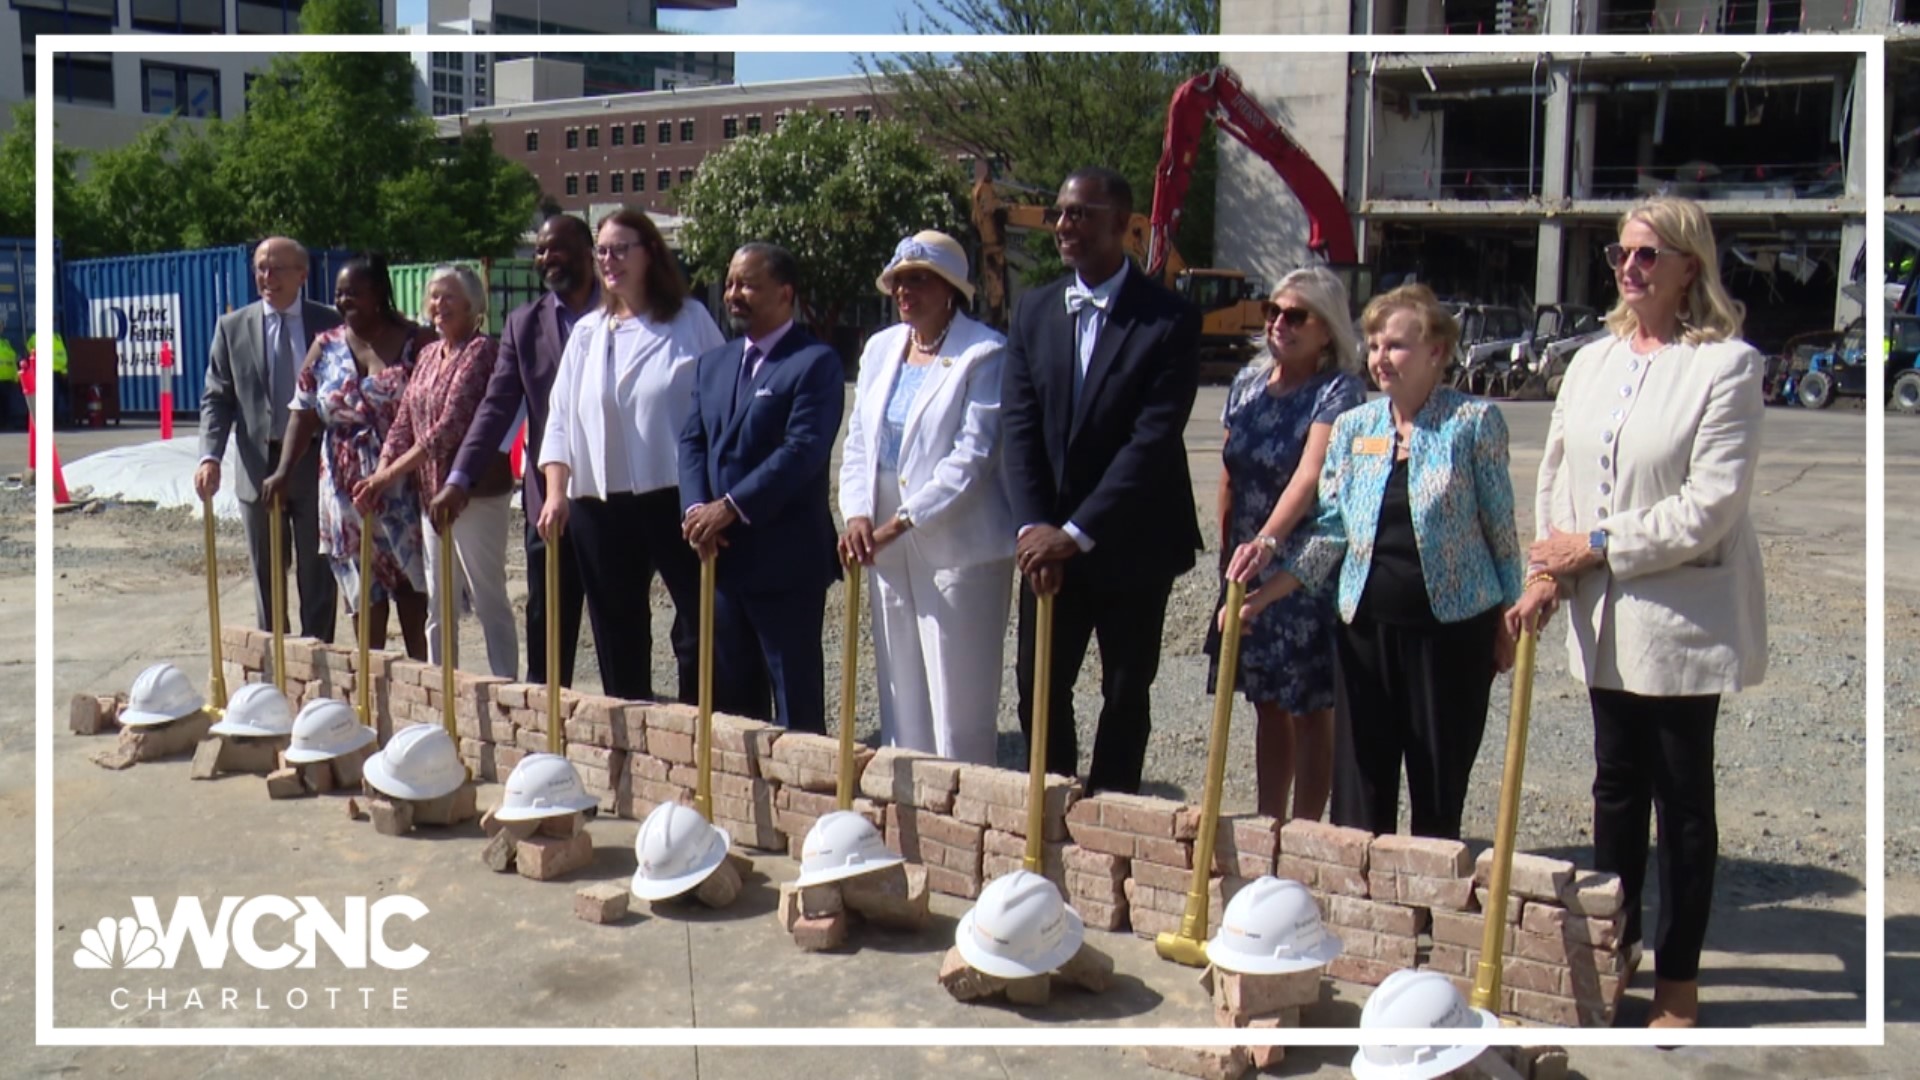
(1100, 376)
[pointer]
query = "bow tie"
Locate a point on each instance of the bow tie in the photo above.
(1079, 297)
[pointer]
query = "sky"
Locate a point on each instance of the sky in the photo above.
(794, 17)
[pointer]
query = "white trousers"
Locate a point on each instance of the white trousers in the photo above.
(480, 571)
(938, 642)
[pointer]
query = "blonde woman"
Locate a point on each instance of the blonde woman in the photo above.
(1278, 418)
(1642, 510)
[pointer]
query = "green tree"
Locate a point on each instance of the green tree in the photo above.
(17, 176)
(470, 203)
(157, 191)
(838, 194)
(1043, 115)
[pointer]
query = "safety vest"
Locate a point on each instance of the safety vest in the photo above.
(59, 352)
(9, 362)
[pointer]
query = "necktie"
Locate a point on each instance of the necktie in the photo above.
(282, 384)
(1079, 297)
(743, 390)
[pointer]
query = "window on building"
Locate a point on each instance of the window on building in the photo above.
(480, 89)
(753, 124)
(639, 134)
(639, 180)
(177, 16)
(439, 82)
(666, 132)
(166, 90)
(445, 106)
(573, 138)
(616, 182)
(573, 184)
(863, 115)
(533, 142)
(268, 16)
(83, 77)
(730, 127)
(456, 84)
(593, 183)
(779, 120)
(837, 114)
(686, 176)
(619, 134)
(593, 138)
(686, 131)
(663, 180)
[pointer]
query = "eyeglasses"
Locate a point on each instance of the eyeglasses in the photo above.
(616, 252)
(1294, 317)
(913, 279)
(1619, 254)
(1074, 215)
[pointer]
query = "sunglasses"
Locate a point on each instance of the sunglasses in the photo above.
(1294, 317)
(913, 279)
(1073, 215)
(1619, 255)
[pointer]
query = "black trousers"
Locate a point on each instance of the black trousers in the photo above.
(1656, 754)
(1128, 621)
(620, 543)
(572, 603)
(1418, 695)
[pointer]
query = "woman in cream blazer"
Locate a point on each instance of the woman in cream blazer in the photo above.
(925, 509)
(1641, 508)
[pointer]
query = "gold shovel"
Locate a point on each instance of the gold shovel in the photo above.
(217, 707)
(703, 753)
(1486, 981)
(1037, 736)
(1189, 946)
(556, 731)
(849, 664)
(364, 678)
(277, 562)
(447, 636)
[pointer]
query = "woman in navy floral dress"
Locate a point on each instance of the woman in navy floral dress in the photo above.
(1278, 417)
(349, 389)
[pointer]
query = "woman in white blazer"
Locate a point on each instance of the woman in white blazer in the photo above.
(1641, 508)
(922, 460)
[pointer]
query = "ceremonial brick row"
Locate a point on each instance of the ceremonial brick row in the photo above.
(1123, 861)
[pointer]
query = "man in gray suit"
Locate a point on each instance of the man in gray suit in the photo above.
(257, 351)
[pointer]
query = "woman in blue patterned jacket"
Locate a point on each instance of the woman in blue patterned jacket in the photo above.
(1416, 517)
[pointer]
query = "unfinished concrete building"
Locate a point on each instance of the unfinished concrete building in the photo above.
(1499, 177)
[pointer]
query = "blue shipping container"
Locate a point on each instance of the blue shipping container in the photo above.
(179, 297)
(18, 319)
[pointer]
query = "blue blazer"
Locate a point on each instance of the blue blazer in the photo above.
(1460, 494)
(771, 456)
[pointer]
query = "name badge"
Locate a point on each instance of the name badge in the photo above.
(1372, 446)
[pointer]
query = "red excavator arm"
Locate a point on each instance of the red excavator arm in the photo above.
(1217, 95)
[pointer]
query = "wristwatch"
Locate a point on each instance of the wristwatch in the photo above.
(1272, 544)
(904, 517)
(1597, 543)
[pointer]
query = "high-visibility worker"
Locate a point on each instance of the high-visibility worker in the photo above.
(59, 352)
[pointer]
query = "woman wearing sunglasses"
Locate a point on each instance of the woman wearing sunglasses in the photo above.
(1278, 418)
(925, 507)
(1642, 510)
(612, 448)
(1416, 522)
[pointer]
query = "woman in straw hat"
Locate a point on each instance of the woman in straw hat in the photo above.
(921, 492)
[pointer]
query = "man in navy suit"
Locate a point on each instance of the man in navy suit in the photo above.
(531, 343)
(753, 478)
(1100, 376)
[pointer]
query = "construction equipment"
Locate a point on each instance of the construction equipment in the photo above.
(1486, 980)
(543, 786)
(1229, 300)
(1189, 946)
(219, 676)
(160, 695)
(325, 729)
(256, 711)
(419, 763)
(1272, 927)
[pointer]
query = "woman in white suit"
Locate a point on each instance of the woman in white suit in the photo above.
(922, 460)
(1641, 508)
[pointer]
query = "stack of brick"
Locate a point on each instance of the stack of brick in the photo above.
(1562, 960)
(805, 768)
(668, 732)
(1261, 1003)
(1155, 837)
(744, 799)
(91, 714)
(244, 653)
(997, 800)
(918, 793)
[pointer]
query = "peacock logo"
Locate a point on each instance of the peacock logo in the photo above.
(122, 944)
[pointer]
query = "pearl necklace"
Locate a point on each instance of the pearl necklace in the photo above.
(933, 348)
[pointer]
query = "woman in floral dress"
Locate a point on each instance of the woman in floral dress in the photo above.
(349, 390)
(1278, 416)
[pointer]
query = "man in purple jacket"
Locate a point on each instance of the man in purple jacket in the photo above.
(534, 337)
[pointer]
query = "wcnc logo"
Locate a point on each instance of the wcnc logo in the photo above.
(356, 938)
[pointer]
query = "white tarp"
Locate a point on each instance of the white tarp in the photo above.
(156, 472)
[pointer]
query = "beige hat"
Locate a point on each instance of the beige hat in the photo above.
(930, 250)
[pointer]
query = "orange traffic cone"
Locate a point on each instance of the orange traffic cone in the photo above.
(59, 478)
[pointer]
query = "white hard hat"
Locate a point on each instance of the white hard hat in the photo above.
(161, 694)
(256, 709)
(325, 729)
(842, 844)
(1020, 927)
(419, 763)
(1418, 999)
(676, 849)
(543, 786)
(1272, 927)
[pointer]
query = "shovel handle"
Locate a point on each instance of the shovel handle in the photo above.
(849, 671)
(556, 731)
(364, 677)
(219, 675)
(703, 792)
(447, 633)
(1193, 923)
(277, 563)
(1037, 736)
(1487, 976)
